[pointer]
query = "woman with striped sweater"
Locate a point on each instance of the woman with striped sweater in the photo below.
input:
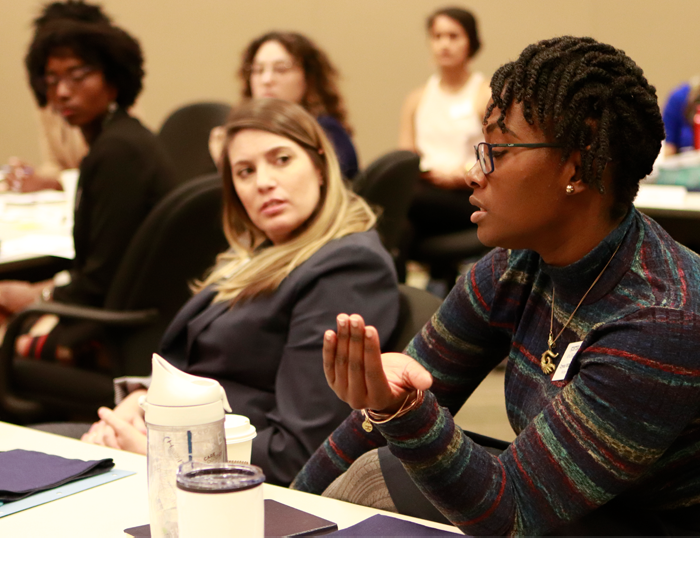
(593, 305)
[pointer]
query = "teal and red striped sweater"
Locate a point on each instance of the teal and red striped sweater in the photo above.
(624, 424)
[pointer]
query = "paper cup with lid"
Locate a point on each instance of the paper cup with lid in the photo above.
(239, 438)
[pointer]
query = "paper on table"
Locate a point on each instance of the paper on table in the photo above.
(40, 197)
(660, 196)
(62, 491)
(38, 245)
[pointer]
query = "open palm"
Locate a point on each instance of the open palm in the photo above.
(363, 377)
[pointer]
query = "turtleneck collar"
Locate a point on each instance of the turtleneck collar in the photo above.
(572, 281)
(113, 115)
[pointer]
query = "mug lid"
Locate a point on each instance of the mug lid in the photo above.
(218, 477)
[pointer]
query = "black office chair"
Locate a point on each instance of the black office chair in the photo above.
(388, 183)
(444, 253)
(176, 243)
(185, 136)
(416, 307)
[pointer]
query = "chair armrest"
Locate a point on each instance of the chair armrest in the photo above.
(86, 313)
(132, 318)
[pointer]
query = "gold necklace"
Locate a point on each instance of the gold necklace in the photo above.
(549, 355)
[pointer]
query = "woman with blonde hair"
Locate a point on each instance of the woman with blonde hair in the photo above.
(303, 249)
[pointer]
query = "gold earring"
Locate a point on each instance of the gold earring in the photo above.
(569, 189)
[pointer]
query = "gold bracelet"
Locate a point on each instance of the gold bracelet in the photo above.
(403, 410)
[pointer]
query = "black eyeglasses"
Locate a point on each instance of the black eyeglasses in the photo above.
(484, 152)
(71, 79)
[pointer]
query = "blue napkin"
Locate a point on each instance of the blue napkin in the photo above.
(384, 527)
(24, 472)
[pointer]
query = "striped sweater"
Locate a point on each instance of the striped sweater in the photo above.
(624, 424)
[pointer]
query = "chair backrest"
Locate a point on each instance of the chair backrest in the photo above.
(185, 136)
(389, 183)
(416, 307)
(175, 245)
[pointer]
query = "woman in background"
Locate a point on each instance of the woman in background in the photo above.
(90, 74)
(303, 249)
(441, 121)
(289, 66)
(62, 145)
(679, 112)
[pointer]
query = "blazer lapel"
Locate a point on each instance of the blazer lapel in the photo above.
(200, 322)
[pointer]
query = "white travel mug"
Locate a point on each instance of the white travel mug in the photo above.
(220, 500)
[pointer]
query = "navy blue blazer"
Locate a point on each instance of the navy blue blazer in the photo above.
(266, 352)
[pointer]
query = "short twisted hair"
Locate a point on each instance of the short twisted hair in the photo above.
(322, 96)
(590, 97)
(110, 49)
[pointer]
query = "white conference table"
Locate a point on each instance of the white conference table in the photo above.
(668, 201)
(106, 510)
(38, 224)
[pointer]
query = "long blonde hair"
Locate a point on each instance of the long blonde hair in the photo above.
(251, 267)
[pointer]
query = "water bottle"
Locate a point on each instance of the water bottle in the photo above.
(185, 422)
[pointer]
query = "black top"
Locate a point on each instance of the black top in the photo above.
(266, 352)
(122, 177)
(342, 143)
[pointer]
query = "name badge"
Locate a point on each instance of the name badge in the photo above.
(566, 360)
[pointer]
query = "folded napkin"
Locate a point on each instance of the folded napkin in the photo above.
(384, 527)
(24, 472)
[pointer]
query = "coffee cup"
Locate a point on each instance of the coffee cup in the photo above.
(239, 438)
(220, 500)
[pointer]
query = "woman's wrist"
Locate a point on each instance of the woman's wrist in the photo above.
(411, 403)
(389, 411)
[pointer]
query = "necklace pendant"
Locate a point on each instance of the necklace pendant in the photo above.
(367, 424)
(546, 361)
(550, 342)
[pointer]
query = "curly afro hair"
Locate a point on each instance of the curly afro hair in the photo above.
(590, 97)
(71, 10)
(112, 50)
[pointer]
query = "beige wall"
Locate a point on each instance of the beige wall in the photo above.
(192, 48)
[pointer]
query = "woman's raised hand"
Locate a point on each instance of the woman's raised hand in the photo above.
(363, 377)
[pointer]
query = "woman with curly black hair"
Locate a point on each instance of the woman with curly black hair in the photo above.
(594, 306)
(62, 146)
(91, 73)
(290, 66)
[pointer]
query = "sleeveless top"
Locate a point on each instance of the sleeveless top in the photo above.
(448, 125)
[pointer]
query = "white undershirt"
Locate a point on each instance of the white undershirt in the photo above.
(448, 125)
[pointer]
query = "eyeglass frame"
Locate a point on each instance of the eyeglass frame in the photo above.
(492, 145)
(70, 78)
(278, 68)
